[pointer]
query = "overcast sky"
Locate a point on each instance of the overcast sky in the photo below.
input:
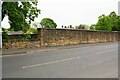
(73, 12)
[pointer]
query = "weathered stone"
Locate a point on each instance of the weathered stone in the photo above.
(55, 37)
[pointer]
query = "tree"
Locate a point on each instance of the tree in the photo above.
(118, 23)
(103, 23)
(20, 14)
(115, 21)
(110, 22)
(48, 23)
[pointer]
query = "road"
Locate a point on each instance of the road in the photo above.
(88, 61)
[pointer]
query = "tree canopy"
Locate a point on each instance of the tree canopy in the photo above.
(110, 22)
(48, 23)
(20, 14)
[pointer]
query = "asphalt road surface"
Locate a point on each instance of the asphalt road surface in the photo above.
(88, 61)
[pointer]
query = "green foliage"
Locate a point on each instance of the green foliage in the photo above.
(30, 35)
(20, 37)
(92, 27)
(9, 29)
(27, 36)
(82, 26)
(32, 31)
(4, 35)
(20, 14)
(48, 23)
(110, 22)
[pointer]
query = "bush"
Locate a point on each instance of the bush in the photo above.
(4, 36)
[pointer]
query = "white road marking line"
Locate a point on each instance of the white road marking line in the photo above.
(51, 62)
(103, 52)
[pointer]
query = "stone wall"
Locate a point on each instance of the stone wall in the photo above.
(20, 44)
(56, 37)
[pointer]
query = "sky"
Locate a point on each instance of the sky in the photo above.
(73, 12)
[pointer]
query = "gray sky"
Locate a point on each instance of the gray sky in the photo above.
(73, 12)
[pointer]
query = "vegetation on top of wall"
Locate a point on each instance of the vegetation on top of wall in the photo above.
(32, 34)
